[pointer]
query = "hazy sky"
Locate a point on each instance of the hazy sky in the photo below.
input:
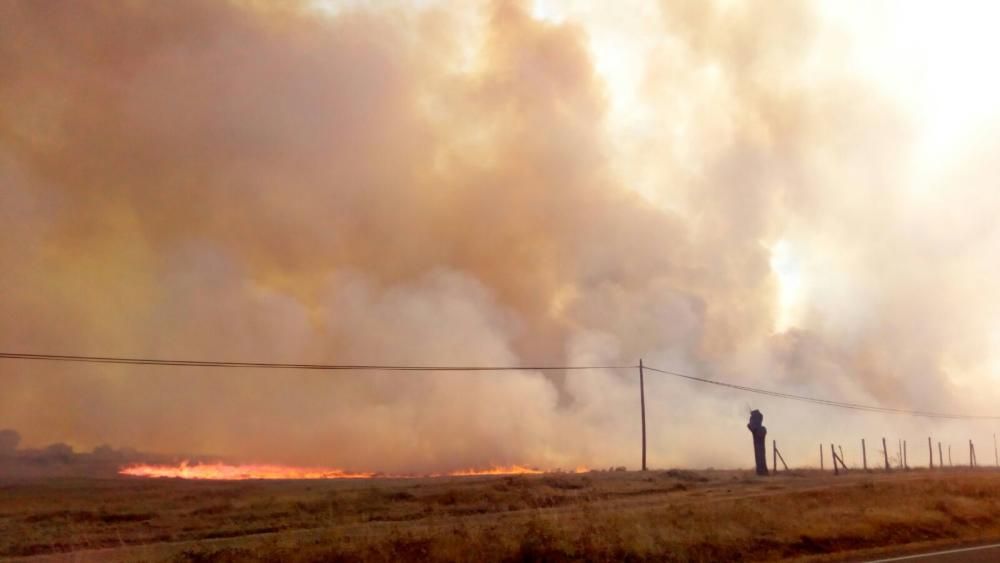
(795, 195)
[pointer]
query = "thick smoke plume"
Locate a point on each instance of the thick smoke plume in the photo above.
(458, 184)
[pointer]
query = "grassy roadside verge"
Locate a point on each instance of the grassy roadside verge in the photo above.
(659, 515)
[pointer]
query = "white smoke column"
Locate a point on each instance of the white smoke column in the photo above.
(493, 184)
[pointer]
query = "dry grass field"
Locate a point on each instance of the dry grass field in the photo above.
(602, 516)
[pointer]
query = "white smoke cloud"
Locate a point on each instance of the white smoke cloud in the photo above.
(496, 184)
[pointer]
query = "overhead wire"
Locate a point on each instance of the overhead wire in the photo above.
(821, 401)
(270, 365)
(485, 368)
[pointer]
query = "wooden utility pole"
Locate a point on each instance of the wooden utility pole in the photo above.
(996, 458)
(905, 465)
(899, 450)
(821, 457)
(972, 454)
(864, 455)
(950, 464)
(774, 454)
(940, 457)
(841, 454)
(930, 451)
(885, 452)
(642, 406)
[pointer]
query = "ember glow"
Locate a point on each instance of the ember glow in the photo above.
(225, 472)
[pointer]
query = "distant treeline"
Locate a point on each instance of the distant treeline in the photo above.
(60, 459)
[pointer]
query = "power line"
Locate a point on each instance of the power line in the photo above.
(268, 365)
(382, 367)
(826, 402)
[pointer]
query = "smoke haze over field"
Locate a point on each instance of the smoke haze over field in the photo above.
(780, 194)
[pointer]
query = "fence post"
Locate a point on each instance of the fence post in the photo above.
(996, 457)
(864, 455)
(930, 451)
(905, 464)
(940, 457)
(950, 464)
(972, 456)
(821, 468)
(839, 459)
(642, 406)
(885, 452)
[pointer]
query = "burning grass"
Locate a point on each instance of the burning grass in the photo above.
(227, 472)
(668, 515)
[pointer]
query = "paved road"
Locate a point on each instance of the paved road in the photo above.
(977, 554)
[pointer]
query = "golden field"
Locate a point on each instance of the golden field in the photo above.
(603, 516)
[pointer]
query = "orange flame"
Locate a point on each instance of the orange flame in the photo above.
(225, 472)
(222, 471)
(496, 470)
